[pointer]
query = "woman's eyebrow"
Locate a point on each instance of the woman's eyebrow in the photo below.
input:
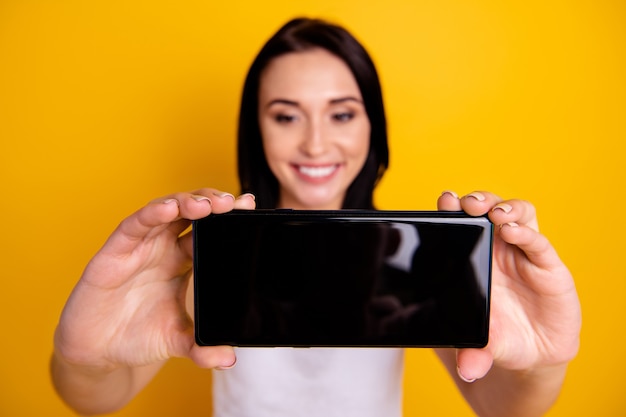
(338, 100)
(344, 99)
(282, 101)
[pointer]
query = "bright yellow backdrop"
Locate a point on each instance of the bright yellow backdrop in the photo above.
(105, 105)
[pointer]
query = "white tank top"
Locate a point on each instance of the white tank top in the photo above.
(310, 382)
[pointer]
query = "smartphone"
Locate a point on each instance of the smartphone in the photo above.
(345, 278)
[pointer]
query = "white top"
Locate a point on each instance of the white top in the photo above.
(311, 382)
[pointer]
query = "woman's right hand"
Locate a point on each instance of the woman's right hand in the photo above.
(128, 309)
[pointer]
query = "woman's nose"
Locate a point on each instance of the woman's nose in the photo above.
(315, 140)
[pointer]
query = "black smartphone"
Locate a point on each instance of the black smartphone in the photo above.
(346, 278)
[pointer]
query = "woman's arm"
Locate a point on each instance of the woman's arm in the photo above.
(127, 314)
(535, 316)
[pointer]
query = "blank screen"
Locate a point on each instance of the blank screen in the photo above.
(357, 279)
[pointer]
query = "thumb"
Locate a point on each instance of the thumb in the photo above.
(473, 364)
(220, 357)
(183, 345)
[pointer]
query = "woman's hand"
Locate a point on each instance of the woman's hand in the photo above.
(535, 311)
(128, 309)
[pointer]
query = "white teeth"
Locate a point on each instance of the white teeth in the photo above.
(317, 172)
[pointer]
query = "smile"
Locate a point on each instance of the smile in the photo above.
(317, 171)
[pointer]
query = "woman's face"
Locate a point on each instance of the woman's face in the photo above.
(316, 133)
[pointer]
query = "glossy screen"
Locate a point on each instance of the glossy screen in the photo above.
(270, 278)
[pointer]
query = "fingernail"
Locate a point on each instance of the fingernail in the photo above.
(170, 200)
(478, 196)
(452, 193)
(252, 196)
(221, 195)
(503, 206)
(468, 380)
(510, 224)
(201, 198)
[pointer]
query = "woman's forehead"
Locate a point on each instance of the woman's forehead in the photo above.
(310, 74)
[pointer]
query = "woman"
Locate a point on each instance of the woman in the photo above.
(312, 135)
(302, 35)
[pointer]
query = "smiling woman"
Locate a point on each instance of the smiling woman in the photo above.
(315, 130)
(312, 124)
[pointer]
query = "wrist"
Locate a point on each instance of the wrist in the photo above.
(79, 358)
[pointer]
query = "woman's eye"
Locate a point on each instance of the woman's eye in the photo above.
(284, 118)
(343, 117)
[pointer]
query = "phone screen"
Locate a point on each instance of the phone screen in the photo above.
(342, 278)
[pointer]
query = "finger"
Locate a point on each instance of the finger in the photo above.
(183, 345)
(150, 219)
(535, 246)
(478, 203)
(245, 201)
(448, 201)
(220, 357)
(167, 212)
(514, 211)
(193, 206)
(221, 201)
(473, 364)
(217, 201)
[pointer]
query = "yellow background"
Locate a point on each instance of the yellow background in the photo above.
(105, 105)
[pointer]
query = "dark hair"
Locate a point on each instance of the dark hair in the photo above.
(302, 34)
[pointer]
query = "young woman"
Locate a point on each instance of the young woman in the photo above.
(312, 134)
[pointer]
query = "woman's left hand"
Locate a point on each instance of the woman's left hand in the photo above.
(535, 312)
